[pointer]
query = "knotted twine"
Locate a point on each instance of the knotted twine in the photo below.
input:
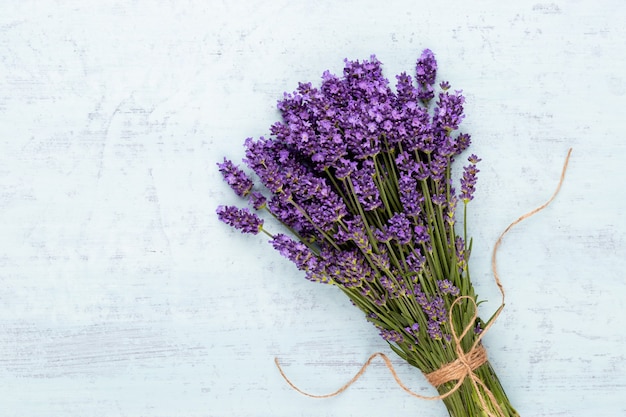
(467, 362)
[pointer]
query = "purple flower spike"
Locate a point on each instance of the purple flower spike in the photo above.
(463, 142)
(258, 200)
(447, 287)
(365, 187)
(236, 178)
(296, 252)
(416, 261)
(426, 68)
(344, 168)
(400, 228)
(426, 72)
(449, 112)
(391, 335)
(436, 310)
(468, 182)
(413, 329)
(410, 197)
(241, 219)
(434, 330)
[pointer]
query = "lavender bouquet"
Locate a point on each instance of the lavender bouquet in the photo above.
(360, 177)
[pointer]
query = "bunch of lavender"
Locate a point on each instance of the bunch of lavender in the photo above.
(360, 176)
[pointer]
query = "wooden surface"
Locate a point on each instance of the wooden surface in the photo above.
(122, 295)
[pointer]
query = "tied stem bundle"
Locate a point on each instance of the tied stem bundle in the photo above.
(360, 177)
(466, 363)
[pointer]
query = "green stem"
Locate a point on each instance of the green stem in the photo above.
(465, 402)
(436, 240)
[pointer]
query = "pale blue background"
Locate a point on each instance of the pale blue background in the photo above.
(122, 295)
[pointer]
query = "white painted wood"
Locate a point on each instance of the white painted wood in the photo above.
(122, 295)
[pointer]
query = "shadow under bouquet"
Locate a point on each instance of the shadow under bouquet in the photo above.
(360, 177)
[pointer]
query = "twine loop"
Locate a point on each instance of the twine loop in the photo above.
(467, 362)
(459, 368)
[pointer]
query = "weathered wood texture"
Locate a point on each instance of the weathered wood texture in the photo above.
(122, 295)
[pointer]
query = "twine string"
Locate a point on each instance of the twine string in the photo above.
(466, 362)
(494, 266)
(355, 378)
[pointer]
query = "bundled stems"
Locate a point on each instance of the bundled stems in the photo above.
(466, 401)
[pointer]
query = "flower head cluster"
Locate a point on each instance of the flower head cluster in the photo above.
(241, 219)
(359, 173)
(468, 182)
(296, 252)
(236, 178)
(426, 70)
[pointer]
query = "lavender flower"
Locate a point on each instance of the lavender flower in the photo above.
(235, 177)
(265, 158)
(416, 262)
(257, 200)
(461, 253)
(446, 287)
(406, 163)
(297, 252)
(344, 168)
(413, 329)
(451, 208)
(347, 268)
(372, 316)
(426, 71)
(308, 129)
(438, 167)
(381, 260)
(434, 330)
(468, 182)
(420, 296)
(364, 186)
(426, 68)
(391, 335)
(406, 95)
(463, 141)
(449, 111)
(290, 216)
(388, 284)
(439, 199)
(354, 231)
(321, 203)
(421, 234)
(436, 310)
(399, 228)
(412, 200)
(241, 219)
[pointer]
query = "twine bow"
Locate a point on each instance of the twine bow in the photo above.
(467, 362)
